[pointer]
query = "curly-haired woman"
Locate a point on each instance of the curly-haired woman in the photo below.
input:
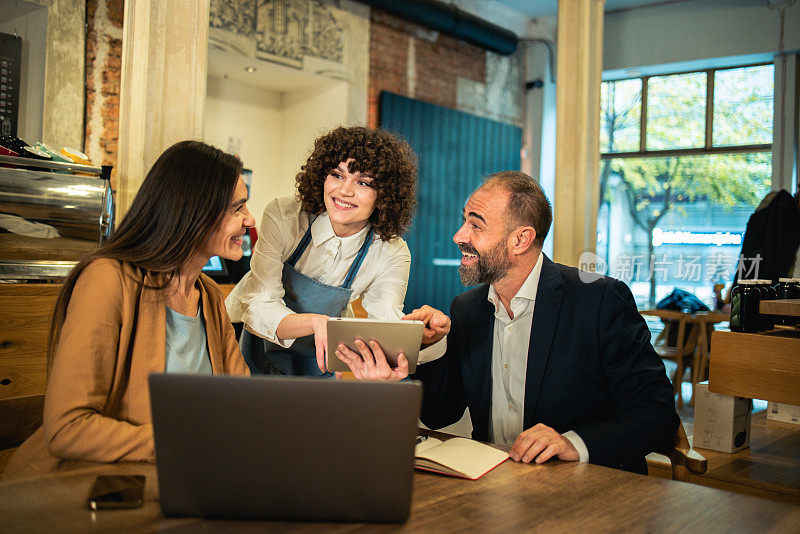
(338, 240)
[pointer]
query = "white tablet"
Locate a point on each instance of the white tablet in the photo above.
(394, 337)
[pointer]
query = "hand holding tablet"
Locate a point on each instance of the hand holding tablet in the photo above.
(379, 341)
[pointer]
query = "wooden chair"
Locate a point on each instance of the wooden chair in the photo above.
(677, 342)
(683, 459)
(21, 417)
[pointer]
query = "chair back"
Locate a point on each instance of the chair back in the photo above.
(683, 459)
(21, 416)
(680, 332)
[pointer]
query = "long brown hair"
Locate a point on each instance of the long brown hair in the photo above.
(181, 201)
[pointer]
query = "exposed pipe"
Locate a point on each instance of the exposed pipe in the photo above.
(551, 56)
(645, 6)
(451, 20)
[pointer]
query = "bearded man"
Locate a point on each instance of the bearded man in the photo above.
(547, 360)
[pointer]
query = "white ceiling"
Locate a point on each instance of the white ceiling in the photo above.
(549, 8)
(229, 65)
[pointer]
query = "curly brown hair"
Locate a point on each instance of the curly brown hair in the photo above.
(377, 153)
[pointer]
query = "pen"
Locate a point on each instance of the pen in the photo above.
(420, 439)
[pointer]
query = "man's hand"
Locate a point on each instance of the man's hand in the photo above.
(372, 364)
(541, 443)
(437, 324)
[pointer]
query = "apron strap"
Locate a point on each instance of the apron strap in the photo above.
(301, 246)
(351, 274)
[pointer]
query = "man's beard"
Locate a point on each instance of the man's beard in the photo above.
(490, 267)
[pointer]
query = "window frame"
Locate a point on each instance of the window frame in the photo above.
(708, 147)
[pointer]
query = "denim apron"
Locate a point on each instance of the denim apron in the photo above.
(302, 294)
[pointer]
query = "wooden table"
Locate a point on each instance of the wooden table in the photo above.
(513, 497)
(769, 468)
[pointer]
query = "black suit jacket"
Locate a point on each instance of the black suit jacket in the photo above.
(591, 369)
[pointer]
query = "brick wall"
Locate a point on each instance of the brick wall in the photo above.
(103, 70)
(431, 74)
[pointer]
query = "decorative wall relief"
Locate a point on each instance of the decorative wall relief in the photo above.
(285, 29)
(236, 16)
(329, 38)
(282, 28)
(326, 34)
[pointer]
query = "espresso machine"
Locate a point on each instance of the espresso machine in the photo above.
(51, 214)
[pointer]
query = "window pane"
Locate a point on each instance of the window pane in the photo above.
(676, 110)
(621, 107)
(743, 106)
(679, 221)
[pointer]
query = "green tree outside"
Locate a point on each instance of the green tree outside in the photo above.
(676, 120)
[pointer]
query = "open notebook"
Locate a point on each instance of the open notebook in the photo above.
(458, 457)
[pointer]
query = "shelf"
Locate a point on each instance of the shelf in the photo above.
(49, 164)
(780, 307)
(756, 366)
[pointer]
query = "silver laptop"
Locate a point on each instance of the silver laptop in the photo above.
(284, 448)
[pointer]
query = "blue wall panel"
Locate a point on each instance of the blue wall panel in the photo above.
(455, 150)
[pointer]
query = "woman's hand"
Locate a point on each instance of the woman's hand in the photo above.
(305, 324)
(319, 324)
(371, 364)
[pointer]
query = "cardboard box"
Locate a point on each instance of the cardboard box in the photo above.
(721, 422)
(786, 413)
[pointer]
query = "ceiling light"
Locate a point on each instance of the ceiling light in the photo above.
(250, 69)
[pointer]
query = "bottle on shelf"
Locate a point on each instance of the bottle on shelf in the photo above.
(745, 298)
(787, 288)
(767, 293)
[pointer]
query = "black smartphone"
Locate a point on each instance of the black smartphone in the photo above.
(114, 492)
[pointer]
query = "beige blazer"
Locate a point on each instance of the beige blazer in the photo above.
(97, 406)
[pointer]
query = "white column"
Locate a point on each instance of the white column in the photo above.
(539, 125)
(62, 120)
(163, 87)
(578, 76)
(785, 150)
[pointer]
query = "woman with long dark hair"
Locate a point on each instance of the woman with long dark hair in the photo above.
(338, 240)
(140, 304)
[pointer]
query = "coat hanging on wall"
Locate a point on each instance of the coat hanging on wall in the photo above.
(772, 238)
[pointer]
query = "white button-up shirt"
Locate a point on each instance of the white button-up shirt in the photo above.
(510, 346)
(257, 300)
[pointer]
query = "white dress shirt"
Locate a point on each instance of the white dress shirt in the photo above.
(257, 300)
(510, 346)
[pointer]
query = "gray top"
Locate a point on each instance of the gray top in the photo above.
(187, 346)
